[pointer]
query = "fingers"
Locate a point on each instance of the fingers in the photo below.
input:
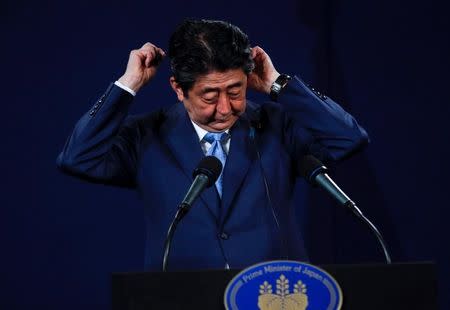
(142, 66)
(151, 54)
(159, 56)
(257, 52)
(264, 73)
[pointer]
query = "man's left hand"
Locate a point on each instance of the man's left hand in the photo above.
(264, 74)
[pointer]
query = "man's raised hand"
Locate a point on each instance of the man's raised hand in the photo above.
(264, 74)
(142, 66)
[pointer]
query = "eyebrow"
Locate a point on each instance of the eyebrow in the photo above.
(216, 89)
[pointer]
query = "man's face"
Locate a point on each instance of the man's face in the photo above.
(216, 100)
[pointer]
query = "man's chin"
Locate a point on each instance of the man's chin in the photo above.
(222, 126)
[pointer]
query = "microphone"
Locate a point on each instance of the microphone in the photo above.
(205, 175)
(314, 171)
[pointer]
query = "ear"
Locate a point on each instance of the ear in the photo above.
(177, 89)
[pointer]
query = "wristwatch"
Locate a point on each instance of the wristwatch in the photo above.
(278, 85)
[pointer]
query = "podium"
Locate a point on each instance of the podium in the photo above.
(369, 286)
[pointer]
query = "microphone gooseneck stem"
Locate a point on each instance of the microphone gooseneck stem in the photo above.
(206, 173)
(330, 186)
(352, 206)
(181, 212)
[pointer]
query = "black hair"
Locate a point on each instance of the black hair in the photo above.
(198, 47)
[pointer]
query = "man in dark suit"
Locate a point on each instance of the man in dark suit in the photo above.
(248, 216)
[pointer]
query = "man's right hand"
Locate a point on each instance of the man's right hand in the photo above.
(142, 66)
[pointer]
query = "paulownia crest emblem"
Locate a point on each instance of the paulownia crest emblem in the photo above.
(282, 299)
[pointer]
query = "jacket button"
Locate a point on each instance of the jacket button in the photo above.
(96, 106)
(224, 236)
(91, 113)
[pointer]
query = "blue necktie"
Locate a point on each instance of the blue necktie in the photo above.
(216, 139)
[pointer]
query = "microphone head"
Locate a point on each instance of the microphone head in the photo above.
(209, 166)
(309, 167)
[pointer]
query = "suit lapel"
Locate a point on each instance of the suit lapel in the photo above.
(238, 162)
(183, 142)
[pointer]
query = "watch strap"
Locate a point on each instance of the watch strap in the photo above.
(278, 86)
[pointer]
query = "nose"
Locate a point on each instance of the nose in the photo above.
(223, 106)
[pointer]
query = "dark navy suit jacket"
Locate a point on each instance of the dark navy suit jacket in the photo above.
(157, 153)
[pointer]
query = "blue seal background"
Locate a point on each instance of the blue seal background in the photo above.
(244, 295)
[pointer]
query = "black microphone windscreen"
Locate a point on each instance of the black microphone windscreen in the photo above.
(209, 166)
(309, 167)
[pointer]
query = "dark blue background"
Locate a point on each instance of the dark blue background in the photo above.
(386, 61)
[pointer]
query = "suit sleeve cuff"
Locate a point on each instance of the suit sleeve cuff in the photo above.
(117, 83)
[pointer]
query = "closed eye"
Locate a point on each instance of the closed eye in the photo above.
(210, 99)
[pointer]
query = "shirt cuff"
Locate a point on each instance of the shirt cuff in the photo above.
(125, 88)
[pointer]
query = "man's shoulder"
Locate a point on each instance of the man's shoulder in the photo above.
(258, 111)
(154, 119)
(254, 105)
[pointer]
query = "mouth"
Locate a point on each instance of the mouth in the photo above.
(214, 120)
(223, 120)
(222, 123)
